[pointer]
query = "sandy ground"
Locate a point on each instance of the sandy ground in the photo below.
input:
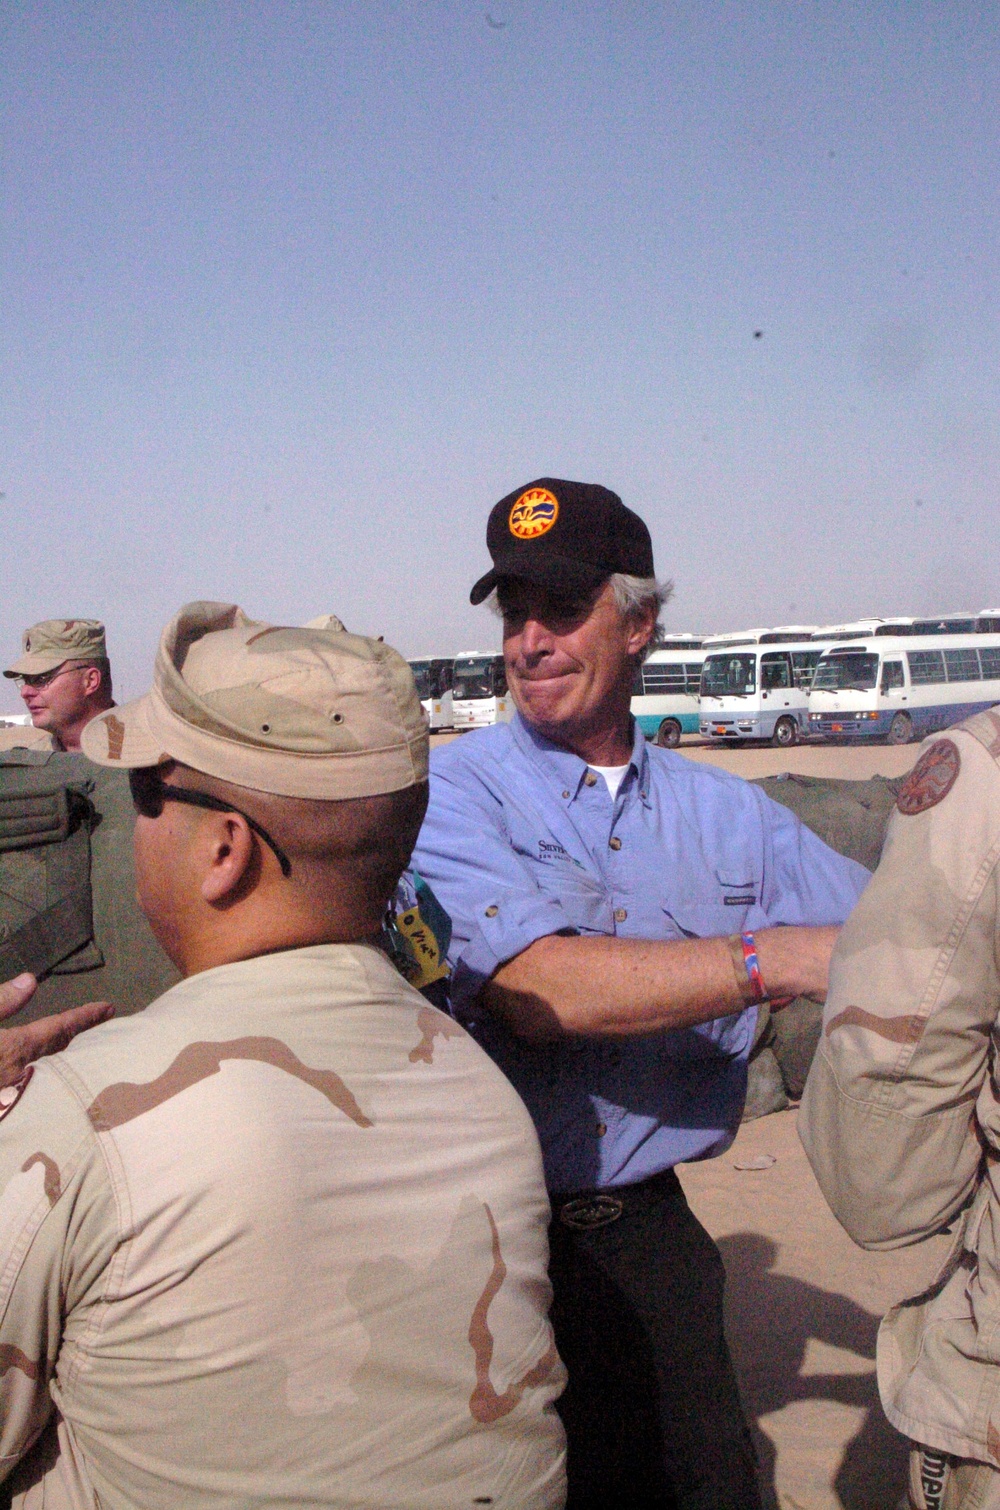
(803, 1307)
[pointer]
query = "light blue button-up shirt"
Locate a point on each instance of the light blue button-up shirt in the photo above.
(522, 840)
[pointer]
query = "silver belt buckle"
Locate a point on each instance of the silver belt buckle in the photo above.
(589, 1211)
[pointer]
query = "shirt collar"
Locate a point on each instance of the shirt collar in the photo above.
(567, 770)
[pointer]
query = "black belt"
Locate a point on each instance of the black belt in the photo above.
(586, 1210)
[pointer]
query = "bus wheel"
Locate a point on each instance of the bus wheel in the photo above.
(668, 735)
(786, 732)
(901, 729)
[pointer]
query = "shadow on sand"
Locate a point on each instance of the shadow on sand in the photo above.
(770, 1318)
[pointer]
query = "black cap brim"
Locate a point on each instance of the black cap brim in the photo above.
(552, 572)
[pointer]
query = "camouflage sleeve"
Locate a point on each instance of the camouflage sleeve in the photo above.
(57, 1221)
(898, 1100)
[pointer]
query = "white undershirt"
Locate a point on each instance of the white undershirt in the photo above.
(613, 775)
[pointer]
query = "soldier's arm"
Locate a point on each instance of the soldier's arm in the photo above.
(57, 1236)
(20, 1046)
(889, 1116)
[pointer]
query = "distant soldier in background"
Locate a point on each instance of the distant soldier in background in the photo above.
(64, 677)
(901, 1114)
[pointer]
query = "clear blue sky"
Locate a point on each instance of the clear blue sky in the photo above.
(294, 292)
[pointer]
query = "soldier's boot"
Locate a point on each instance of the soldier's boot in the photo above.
(941, 1482)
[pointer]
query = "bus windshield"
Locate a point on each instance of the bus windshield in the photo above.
(422, 676)
(475, 679)
(729, 675)
(847, 671)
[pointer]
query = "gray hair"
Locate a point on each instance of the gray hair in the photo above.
(635, 595)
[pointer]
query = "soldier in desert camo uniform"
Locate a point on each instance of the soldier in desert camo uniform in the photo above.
(901, 1115)
(280, 1238)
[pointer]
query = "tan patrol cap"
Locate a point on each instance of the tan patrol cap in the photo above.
(314, 713)
(48, 644)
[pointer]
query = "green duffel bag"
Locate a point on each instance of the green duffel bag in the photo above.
(850, 816)
(68, 911)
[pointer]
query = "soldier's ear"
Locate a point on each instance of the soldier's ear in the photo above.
(231, 859)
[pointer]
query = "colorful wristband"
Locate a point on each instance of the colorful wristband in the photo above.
(743, 947)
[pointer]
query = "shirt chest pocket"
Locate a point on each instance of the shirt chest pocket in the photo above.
(731, 906)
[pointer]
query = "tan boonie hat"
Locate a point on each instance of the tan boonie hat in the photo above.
(314, 713)
(48, 644)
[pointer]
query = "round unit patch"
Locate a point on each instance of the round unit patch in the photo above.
(534, 513)
(931, 779)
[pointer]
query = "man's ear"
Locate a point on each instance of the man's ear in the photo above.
(641, 627)
(91, 681)
(230, 855)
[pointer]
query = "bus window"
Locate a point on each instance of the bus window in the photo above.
(990, 661)
(729, 675)
(962, 665)
(500, 677)
(926, 667)
(847, 670)
(892, 676)
(804, 663)
(692, 677)
(659, 678)
(775, 671)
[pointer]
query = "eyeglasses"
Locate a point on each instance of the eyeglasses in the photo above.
(150, 792)
(43, 678)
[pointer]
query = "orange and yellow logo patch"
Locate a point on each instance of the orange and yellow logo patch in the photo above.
(534, 513)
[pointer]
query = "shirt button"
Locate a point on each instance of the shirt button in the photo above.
(602, 1128)
(565, 794)
(491, 912)
(620, 914)
(590, 779)
(614, 844)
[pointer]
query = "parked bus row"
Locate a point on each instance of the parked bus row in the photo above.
(874, 679)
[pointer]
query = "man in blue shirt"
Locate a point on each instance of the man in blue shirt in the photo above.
(605, 900)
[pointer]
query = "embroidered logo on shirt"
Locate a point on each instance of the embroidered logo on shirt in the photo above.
(931, 779)
(548, 849)
(739, 901)
(534, 514)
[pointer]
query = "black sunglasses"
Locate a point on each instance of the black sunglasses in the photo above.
(150, 792)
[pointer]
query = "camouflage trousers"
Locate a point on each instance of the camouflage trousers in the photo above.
(941, 1482)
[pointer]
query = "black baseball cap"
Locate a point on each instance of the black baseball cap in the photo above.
(564, 536)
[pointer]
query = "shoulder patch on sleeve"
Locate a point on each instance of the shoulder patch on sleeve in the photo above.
(10, 1095)
(931, 779)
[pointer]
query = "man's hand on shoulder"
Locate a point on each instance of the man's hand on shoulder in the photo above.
(20, 1046)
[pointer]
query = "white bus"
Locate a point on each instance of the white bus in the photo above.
(900, 688)
(479, 693)
(433, 676)
(755, 684)
(665, 691)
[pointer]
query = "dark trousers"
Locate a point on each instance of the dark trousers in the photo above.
(652, 1410)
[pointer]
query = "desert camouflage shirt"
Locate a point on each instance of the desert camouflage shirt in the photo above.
(278, 1240)
(901, 1114)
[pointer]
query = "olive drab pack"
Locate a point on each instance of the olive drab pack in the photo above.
(68, 910)
(850, 816)
(45, 824)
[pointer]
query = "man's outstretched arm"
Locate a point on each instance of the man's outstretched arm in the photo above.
(19, 1046)
(617, 987)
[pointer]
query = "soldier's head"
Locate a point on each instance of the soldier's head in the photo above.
(64, 676)
(279, 777)
(576, 588)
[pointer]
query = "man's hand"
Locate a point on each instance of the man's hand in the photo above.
(19, 1046)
